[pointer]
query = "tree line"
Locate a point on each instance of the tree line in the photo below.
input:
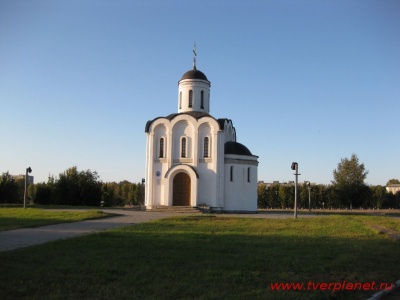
(348, 190)
(325, 196)
(73, 187)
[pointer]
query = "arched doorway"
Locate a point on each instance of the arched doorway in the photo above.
(181, 190)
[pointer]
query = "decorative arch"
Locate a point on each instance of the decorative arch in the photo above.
(183, 132)
(206, 142)
(170, 177)
(188, 169)
(160, 140)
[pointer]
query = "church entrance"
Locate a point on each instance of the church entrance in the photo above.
(181, 190)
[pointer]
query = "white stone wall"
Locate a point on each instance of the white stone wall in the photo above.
(240, 195)
(158, 175)
(196, 85)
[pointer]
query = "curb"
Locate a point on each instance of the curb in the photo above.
(384, 293)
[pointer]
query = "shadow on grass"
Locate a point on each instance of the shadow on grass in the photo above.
(30, 219)
(205, 258)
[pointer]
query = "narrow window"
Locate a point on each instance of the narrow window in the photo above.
(248, 174)
(202, 100)
(161, 148)
(190, 98)
(183, 148)
(206, 146)
(180, 100)
(231, 173)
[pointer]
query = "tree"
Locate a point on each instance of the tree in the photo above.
(286, 195)
(349, 181)
(78, 188)
(262, 196)
(9, 189)
(43, 194)
(132, 194)
(139, 193)
(378, 196)
(303, 195)
(393, 181)
(273, 196)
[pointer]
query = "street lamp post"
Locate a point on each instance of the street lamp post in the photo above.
(143, 181)
(309, 196)
(28, 170)
(295, 167)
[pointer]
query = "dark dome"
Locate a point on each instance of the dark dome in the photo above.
(236, 148)
(194, 74)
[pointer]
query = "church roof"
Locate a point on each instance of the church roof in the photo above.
(236, 148)
(195, 114)
(194, 74)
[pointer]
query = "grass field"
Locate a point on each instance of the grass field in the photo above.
(207, 257)
(13, 218)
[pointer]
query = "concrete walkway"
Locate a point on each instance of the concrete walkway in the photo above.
(19, 238)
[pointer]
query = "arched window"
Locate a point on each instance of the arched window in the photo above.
(183, 147)
(206, 146)
(190, 98)
(180, 100)
(248, 174)
(161, 148)
(231, 174)
(202, 100)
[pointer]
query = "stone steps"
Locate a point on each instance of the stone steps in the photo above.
(175, 209)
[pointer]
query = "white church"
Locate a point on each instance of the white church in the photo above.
(193, 159)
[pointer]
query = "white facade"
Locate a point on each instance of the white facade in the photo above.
(193, 159)
(393, 188)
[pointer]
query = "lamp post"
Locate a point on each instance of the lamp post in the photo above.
(295, 167)
(28, 170)
(309, 195)
(143, 181)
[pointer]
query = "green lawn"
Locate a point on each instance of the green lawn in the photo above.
(207, 257)
(13, 218)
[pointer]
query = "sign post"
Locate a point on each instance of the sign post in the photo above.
(295, 167)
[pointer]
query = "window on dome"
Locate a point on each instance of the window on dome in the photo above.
(183, 148)
(180, 100)
(248, 174)
(231, 174)
(202, 100)
(206, 146)
(190, 98)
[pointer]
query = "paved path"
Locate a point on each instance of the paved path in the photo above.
(19, 238)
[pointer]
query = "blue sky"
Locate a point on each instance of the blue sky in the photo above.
(306, 81)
